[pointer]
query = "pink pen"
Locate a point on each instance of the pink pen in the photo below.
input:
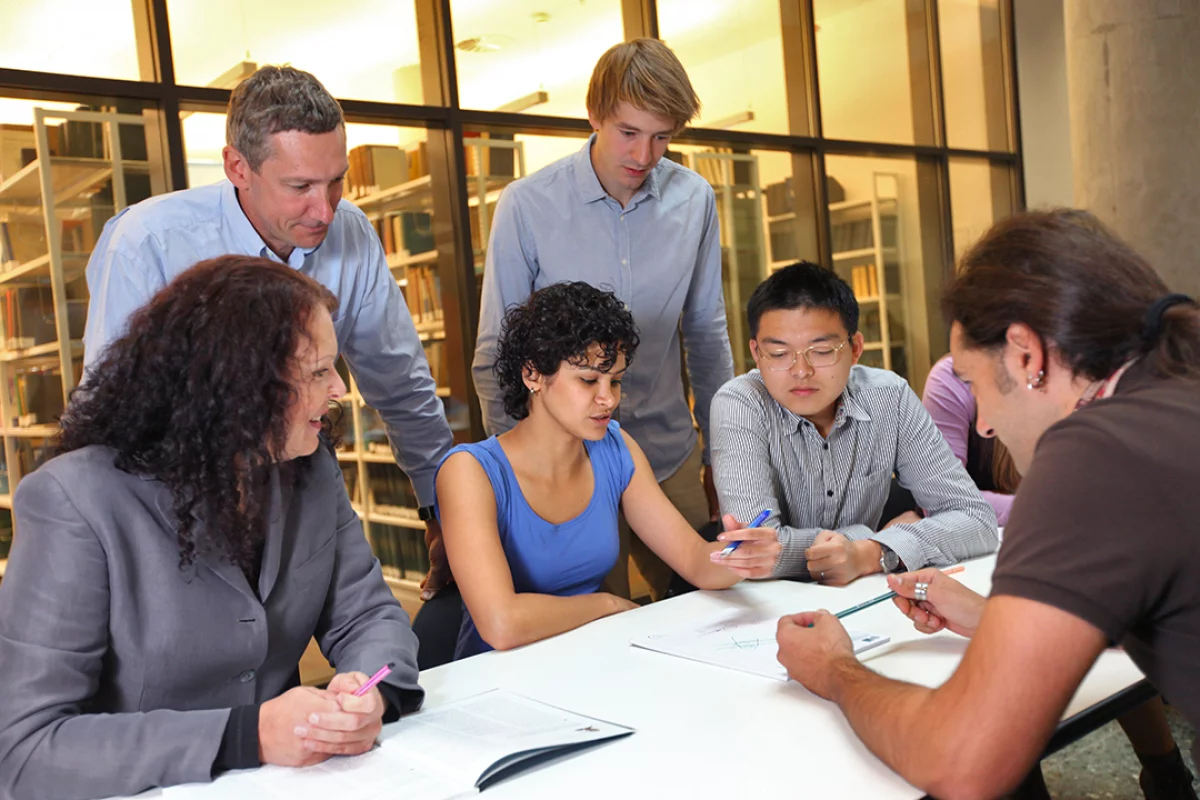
(374, 679)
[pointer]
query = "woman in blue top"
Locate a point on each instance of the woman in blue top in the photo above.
(529, 517)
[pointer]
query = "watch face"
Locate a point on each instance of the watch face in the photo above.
(889, 560)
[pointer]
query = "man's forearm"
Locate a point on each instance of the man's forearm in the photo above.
(895, 720)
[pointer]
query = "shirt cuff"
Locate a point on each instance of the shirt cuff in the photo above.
(239, 744)
(903, 544)
(399, 701)
(423, 483)
(792, 563)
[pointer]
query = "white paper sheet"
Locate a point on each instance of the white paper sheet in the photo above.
(735, 640)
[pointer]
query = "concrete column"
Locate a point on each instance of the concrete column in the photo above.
(1133, 70)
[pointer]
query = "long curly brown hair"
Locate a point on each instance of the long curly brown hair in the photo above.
(195, 394)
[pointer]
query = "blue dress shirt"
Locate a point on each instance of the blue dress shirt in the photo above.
(148, 244)
(660, 255)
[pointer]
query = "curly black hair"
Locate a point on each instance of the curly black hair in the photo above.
(556, 324)
(195, 394)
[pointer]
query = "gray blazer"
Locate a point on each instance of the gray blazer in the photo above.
(119, 670)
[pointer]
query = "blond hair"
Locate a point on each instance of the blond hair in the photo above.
(648, 76)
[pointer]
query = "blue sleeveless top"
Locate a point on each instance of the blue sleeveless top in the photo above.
(567, 559)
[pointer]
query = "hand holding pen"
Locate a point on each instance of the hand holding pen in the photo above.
(936, 602)
(750, 551)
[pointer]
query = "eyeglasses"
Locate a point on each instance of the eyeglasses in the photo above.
(819, 355)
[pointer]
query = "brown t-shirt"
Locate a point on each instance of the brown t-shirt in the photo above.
(1107, 527)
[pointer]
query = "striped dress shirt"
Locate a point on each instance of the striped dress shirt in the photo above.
(766, 457)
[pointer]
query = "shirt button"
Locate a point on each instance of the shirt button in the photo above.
(624, 261)
(829, 493)
(825, 446)
(246, 676)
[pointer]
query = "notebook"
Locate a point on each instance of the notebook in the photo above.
(451, 751)
(736, 640)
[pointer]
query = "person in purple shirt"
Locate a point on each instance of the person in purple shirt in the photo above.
(529, 517)
(948, 400)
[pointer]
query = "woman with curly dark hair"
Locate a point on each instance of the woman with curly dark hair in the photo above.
(175, 560)
(529, 518)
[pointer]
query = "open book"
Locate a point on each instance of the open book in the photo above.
(446, 752)
(736, 640)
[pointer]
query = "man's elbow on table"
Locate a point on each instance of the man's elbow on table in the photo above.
(978, 771)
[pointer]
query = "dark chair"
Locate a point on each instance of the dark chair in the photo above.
(436, 626)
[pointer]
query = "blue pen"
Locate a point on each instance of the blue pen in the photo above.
(759, 520)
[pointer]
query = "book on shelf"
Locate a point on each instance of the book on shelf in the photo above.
(496, 161)
(375, 167)
(852, 235)
(448, 751)
(423, 291)
(864, 281)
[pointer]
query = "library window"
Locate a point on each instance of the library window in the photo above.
(981, 194)
(86, 161)
(360, 49)
(531, 56)
(885, 241)
(733, 54)
(973, 74)
(872, 68)
(493, 161)
(95, 38)
(767, 217)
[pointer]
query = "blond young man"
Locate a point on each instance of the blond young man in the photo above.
(621, 217)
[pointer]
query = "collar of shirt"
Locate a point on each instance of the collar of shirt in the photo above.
(248, 236)
(590, 188)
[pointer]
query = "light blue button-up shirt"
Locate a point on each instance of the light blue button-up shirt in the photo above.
(148, 244)
(660, 255)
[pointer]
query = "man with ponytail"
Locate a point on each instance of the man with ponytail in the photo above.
(1088, 368)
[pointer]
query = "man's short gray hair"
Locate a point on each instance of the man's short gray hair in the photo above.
(276, 99)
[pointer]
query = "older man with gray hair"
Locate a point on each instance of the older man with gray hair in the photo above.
(285, 162)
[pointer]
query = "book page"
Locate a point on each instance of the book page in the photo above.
(736, 640)
(378, 773)
(471, 736)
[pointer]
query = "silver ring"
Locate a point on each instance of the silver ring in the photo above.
(921, 591)
(822, 574)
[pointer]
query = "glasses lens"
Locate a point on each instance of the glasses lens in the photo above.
(823, 356)
(778, 360)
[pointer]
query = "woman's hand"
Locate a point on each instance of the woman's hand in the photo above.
(757, 554)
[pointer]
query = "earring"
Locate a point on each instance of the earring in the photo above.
(1036, 383)
(532, 390)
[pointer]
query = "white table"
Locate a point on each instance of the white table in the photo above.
(708, 732)
(703, 731)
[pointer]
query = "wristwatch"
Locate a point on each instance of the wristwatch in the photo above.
(426, 513)
(889, 561)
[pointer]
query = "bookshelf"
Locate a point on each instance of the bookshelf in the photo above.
(61, 179)
(393, 188)
(735, 182)
(866, 252)
(782, 235)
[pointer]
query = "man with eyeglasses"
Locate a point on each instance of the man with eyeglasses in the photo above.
(815, 438)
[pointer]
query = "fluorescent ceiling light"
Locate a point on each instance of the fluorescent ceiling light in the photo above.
(731, 120)
(526, 102)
